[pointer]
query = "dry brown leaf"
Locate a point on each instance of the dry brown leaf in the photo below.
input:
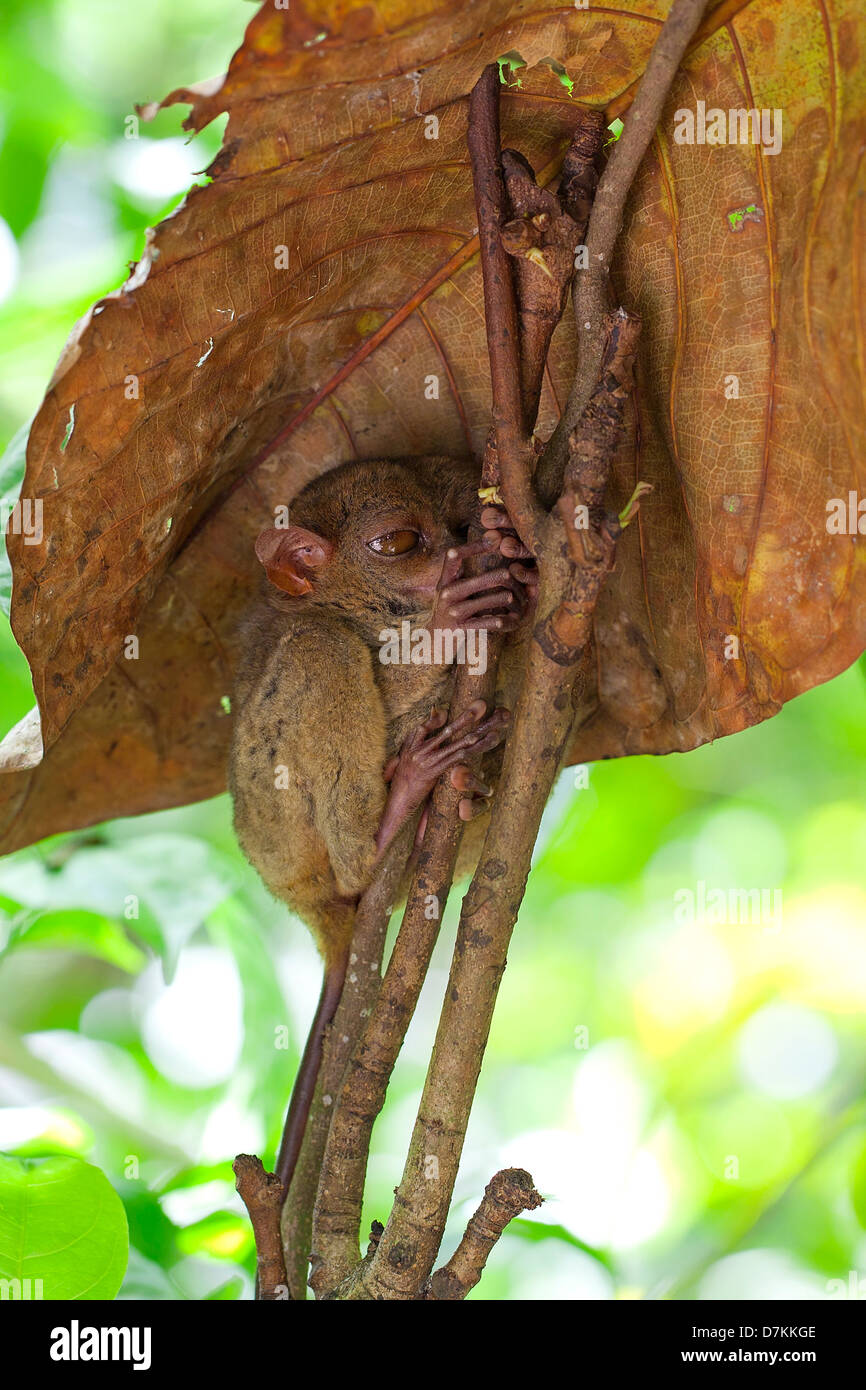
(252, 378)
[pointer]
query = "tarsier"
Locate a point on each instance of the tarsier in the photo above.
(333, 750)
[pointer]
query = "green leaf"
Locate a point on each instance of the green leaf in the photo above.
(151, 1232)
(61, 1222)
(88, 933)
(11, 478)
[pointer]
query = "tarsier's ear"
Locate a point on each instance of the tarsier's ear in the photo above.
(290, 555)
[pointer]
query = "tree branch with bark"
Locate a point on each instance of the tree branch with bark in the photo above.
(555, 498)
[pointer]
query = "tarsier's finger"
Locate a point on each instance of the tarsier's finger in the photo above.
(467, 720)
(476, 740)
(492, 516)
(488, 579)
(484, 603)
(506, 623)
(470, 740)
(390, 768)
(468, 809)
(468, 746)
(434, 721)
(496, 520)
(491, 731)
(496, 720)
(513, 548)
(452, 565)
(422, 826)
(489, 742)
(524, 575)
(509, 622)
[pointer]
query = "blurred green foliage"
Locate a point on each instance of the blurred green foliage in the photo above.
(688, 1092)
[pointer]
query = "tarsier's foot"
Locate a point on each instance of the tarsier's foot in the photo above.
(434, 748)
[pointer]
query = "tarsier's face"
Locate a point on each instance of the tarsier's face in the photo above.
(366, 539)
(397, 550)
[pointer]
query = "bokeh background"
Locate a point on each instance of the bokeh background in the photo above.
(687, 1091)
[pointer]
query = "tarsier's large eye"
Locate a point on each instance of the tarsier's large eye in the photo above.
(395, 543)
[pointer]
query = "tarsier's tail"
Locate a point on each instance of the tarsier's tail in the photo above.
(308, 1072)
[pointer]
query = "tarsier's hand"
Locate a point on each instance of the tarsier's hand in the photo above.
(436, 747)
(499, 532)
(497, 599)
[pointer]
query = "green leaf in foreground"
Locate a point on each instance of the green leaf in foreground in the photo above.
(61, 1222)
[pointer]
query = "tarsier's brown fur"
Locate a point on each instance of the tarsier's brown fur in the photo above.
(317, 716)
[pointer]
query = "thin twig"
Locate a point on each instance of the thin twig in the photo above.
(360, 988)
(512, 431)
(590, 290)
(542, 237)
(337, 1222)
(262, 1195)
(591, 535)
(508, 1193)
